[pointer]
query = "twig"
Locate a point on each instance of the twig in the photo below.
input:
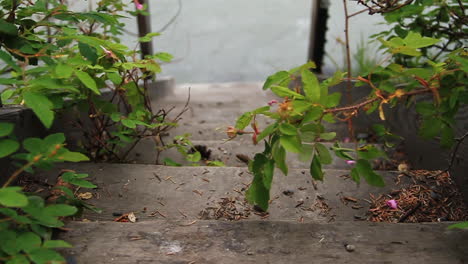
(410, 212)
(349, 96)
(454, 153)
(369, 101)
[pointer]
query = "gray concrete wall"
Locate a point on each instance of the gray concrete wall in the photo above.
(243, 40)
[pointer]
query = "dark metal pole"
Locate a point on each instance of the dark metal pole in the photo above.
(318, 30)
(144, 27)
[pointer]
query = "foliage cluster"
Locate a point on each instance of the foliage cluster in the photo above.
(420, 60)
(57, 61)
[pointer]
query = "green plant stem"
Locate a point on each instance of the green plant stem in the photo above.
(17, 173)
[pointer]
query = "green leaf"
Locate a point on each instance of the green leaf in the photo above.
(82, 183)
(18, 259)
(370, 152)
(286, 92)
(163, 56)
(8, 60)
(60, 210)
(279, 155)
(12, 197)
(288, 129)
(169, 162)
(261, 110)
(276, 79)
(54, 139)
(88, 81)
(56, 244)
(328, 135)
(8, 147)
(8, 242)
(28, 241)
(313, 114)
(215, 163)
(148, 37)
(258, 192)
(266, 132)
(63, 71)
(308, 65)
(114, 77)
(333, 100)
(244, 120)
(355, 176)
(415, 40)
(291, 143)
(430, 128)
(45, 256)
(8, 28)
(195, 157)
(447, 137)
(364, 169)
(316, 169)
(311, 86)
(41, 106)
(301, 106)
(463, 225)
(88, 52)
(34, 145)
(72, 157)
(129, 123)
(323, 153)
(7, 94)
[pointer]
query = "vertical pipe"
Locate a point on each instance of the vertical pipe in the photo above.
(144, 27)
(318, 30)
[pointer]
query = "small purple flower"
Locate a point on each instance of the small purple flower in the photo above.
(392, 204)
(346, 140)
(272, 102)
(350, 162)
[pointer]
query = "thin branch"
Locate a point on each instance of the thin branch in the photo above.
(18, 172)
(357, 13)
(455, 150)
(371, 100)
(349, 96)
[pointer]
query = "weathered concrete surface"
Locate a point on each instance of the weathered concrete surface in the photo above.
(184, 192)
(275, 242)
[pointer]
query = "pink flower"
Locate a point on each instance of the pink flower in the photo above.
(350, 162)
(392, 204)
(138, 6)
(272, 102)
(346, 140)
(108, 53)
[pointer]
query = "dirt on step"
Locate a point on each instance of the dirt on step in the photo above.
(431, 197)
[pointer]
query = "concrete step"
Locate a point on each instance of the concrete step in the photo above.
(145, 153)
(190, 193)
(274, 242)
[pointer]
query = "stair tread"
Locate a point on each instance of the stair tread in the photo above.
(191, 192)
(213, 242)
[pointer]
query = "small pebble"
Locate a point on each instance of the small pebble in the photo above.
(350, 248)
(362, 135)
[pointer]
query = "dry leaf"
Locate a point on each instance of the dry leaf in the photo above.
(131, 217)
(85, 196)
